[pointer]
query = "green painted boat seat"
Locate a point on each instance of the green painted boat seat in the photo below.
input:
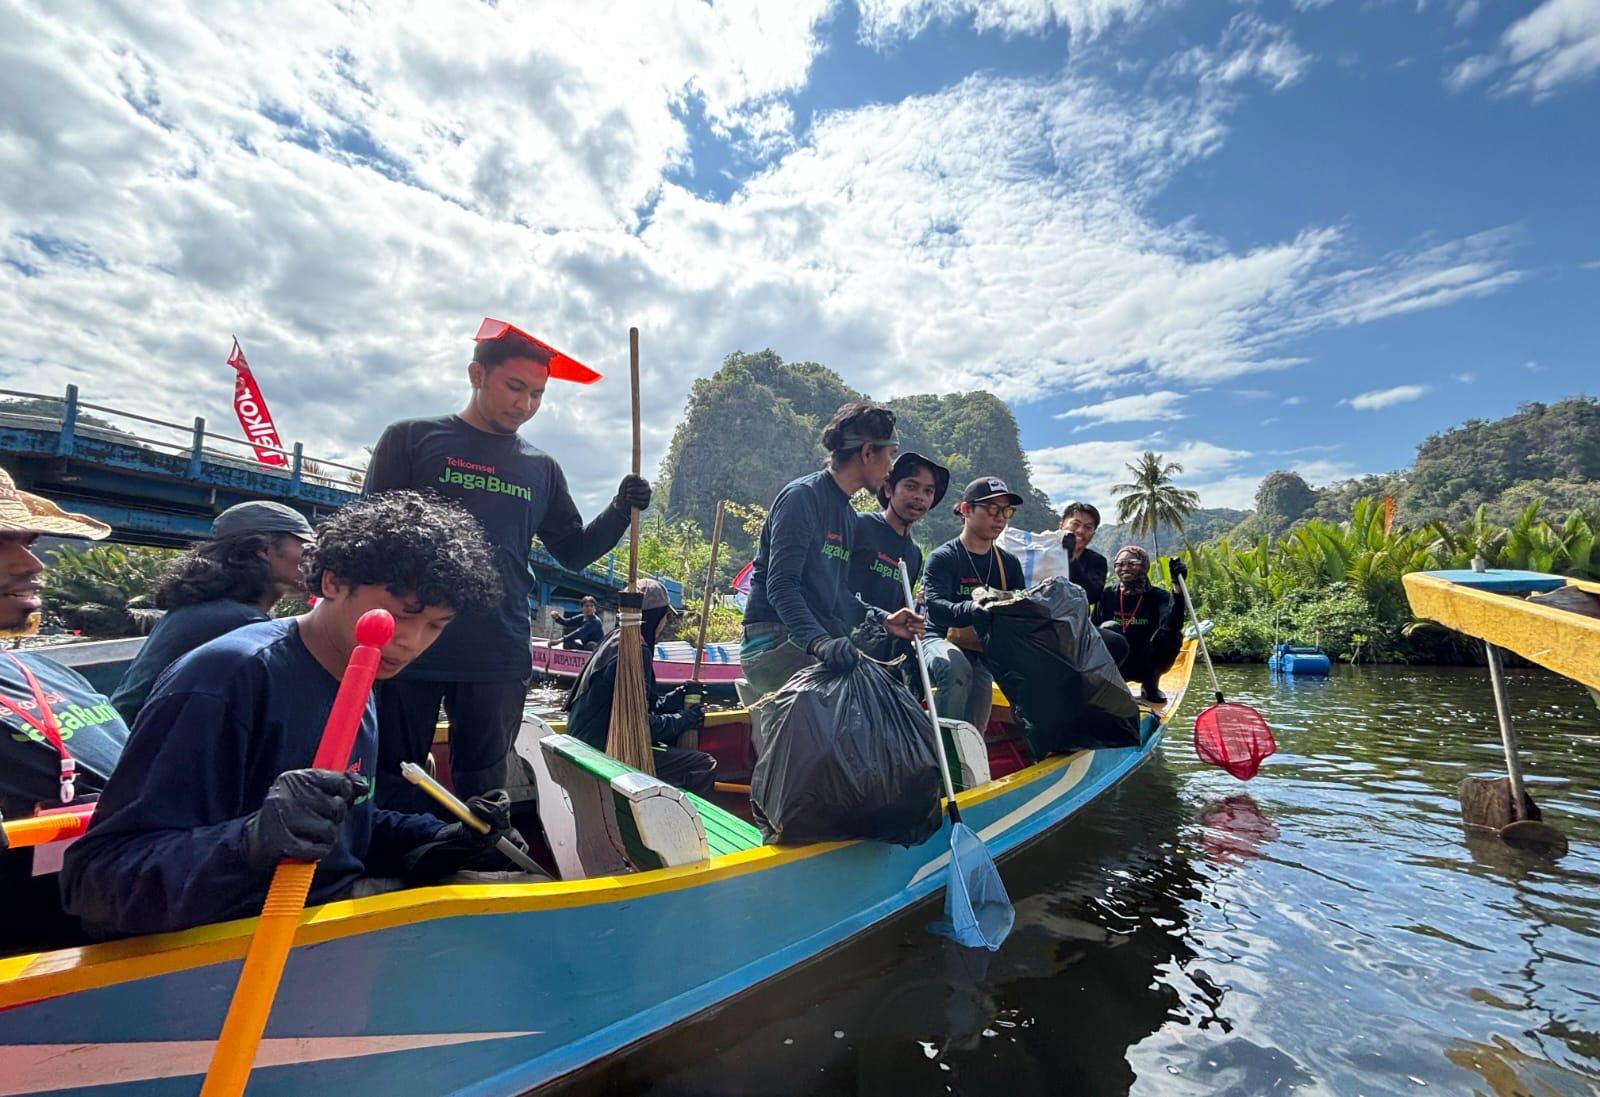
(622, 820)
(966, 752)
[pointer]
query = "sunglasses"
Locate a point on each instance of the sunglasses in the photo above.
(994, 510)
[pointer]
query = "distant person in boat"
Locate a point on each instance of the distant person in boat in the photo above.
(1088, 568)
(957, 568)
(914, 486)
(214, 788)
(1143, 624)
(801, 609)
(251, 563)
(480, 668)
(584, 630)
(54, 723)
(589, 702)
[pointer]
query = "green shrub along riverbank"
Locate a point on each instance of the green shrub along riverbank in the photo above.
(1338, 584)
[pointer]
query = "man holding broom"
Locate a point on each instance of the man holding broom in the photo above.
(214, 788)
(480, 668)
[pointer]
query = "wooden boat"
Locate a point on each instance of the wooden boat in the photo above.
(674, 662)
(1557, 628)
(495, 989)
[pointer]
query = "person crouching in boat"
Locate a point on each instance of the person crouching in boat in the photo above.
(590, 702)
(914, 486)
(214, 787)
(59, 737)
(1142, 624)
(801, 610)
(965, 683)
(251, 562)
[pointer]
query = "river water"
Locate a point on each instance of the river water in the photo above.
(1327, 928)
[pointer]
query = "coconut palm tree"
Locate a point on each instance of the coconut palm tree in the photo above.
(1152, 500)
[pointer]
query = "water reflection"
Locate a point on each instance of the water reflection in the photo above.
(1328, 929)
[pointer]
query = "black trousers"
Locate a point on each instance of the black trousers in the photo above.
(484, 717)
(1145, 662)
(691, 770)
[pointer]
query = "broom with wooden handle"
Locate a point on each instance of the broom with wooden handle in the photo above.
(628, 739)
(690, 740)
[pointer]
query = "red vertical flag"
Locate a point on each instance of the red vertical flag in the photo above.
(252, 411)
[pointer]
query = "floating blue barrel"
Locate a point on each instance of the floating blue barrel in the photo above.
(1303, 661)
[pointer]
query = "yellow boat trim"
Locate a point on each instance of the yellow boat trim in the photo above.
(1557, 639)
(36, 976)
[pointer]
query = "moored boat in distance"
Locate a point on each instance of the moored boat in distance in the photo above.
(674, 662)
(496, 989)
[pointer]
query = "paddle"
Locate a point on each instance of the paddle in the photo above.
(976, 908)
(1232, 736)
(690, 740)
(235, 1052)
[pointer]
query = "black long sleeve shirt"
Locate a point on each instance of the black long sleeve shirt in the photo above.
(516, 491)
(953, 574)
(802, 566)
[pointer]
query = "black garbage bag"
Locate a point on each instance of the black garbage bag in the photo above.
(1049, 659)
(847, 755)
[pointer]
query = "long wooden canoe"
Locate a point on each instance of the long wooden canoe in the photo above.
(1494, 606)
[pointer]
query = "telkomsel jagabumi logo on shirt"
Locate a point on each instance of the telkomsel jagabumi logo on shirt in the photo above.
(833, 547)
(886, 566)
(474, 477)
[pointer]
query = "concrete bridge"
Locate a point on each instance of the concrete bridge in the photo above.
(160, 483)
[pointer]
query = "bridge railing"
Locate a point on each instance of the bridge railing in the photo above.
(193, 440)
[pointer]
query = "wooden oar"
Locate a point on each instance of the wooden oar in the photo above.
(628, 738)
(235, 1052)
(690, 740)
(978, 912)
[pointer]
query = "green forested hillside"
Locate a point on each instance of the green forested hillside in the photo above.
(753, 426)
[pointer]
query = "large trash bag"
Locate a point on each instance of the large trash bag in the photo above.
(846, 755)
(1040, 554)
(1049, 659)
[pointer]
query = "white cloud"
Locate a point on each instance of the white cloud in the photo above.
(1293, 401)
(884, 21)
(1249, 47)
(1087, 470)
(1144, 407)
(1269, 420)
(1383, 398)
(1465, 378)
(1592, 265)
(1555, 45)
(351, 192)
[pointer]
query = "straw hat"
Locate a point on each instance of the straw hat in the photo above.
(24, 512)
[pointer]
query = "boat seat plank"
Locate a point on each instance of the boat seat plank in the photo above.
(629, 820)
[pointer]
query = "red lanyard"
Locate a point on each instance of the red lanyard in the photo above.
(1126, 617)
(45, 726)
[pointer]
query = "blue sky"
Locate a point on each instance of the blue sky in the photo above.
(1299, 234)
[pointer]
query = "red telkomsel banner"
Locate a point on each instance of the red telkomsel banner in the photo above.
(252, 411)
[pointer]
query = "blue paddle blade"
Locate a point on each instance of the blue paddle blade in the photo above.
(977, 912)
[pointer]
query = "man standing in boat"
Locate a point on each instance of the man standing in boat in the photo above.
(1143, 624)
(801, 609)
(480, 668)
(215, 789)
(955, 570)
(59, 737)
(914, 486)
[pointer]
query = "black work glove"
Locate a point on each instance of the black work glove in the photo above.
(1069, 541)
(670, 703)
(1177, 569)
(835, 652)
(456, 846)
(694, 718)
(632, 494)
(299, 820)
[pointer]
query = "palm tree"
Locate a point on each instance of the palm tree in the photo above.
(1152, 500)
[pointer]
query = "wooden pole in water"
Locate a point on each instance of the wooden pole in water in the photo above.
(1508, 730)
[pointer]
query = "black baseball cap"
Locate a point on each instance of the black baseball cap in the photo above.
(261, 516)
(987, 488)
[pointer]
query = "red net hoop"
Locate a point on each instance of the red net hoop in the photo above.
(1234, 738)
